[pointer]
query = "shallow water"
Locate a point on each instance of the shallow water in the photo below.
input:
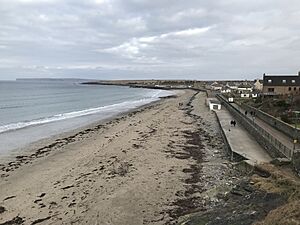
(31, 110)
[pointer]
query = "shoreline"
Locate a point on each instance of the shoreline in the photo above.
(30, 147)
(142, 85)
(108, 157)
(163, 164)
(44, 142)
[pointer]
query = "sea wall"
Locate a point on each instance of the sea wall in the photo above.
(227, 147)
(274, 122)
(296, 162)
(270, 144)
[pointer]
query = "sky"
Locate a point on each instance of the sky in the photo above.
(149, 39)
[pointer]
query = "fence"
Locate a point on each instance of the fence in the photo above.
(274, 147)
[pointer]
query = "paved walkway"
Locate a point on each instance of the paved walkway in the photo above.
(284, 139)
(241, 141)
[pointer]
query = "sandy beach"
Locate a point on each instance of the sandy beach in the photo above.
(150, 166)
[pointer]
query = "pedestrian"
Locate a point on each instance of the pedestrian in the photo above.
(234, 123)
(246, 113)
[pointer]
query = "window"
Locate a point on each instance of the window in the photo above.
(293, 81)
(295, 88)
(290, 88)
(284, 81)
(270, 89)
(269, 81)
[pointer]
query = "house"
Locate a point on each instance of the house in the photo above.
(225, 90)
(255, 93)
(258, 85)
(213, 104)
(216, 86)
(281, 84)
(245, 95)
(245, 88)
(232, 86)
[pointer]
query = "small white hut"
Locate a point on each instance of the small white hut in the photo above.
(213, 104)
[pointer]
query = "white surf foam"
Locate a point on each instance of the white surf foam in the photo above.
(124, 106)
(111, 109)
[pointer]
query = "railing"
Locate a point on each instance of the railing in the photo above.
(287, 152)
(283, 127)
(264, 138)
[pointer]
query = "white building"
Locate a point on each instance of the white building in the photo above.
(213, 104)
(242, 88)
(226, 90)
(245, 95)
(216, 86)
(232, 86)
(258, 86)
(230, 99)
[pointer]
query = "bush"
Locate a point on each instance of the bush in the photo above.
(285, 118)
(281, 103)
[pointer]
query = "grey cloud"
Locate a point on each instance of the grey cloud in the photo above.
(144, 39)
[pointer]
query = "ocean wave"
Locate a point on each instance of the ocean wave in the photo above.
(157, 93)
(11, 107)
(114, 108)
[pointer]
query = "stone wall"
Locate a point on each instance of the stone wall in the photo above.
(227, 145)
(296, 162)
(260, 136)
(233, 155)
(274, 122)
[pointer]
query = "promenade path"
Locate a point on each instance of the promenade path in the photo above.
(240, 141)
(284, 139)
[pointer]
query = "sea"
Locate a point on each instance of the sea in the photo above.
(31, 110)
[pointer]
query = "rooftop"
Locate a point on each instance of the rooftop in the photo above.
(245, 85)
(214, 101)
(281, 80)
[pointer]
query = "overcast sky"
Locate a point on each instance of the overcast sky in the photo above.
(129, 39)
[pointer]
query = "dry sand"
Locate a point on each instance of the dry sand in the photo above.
(150, 166)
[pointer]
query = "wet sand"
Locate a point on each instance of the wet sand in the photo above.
(151, 166)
